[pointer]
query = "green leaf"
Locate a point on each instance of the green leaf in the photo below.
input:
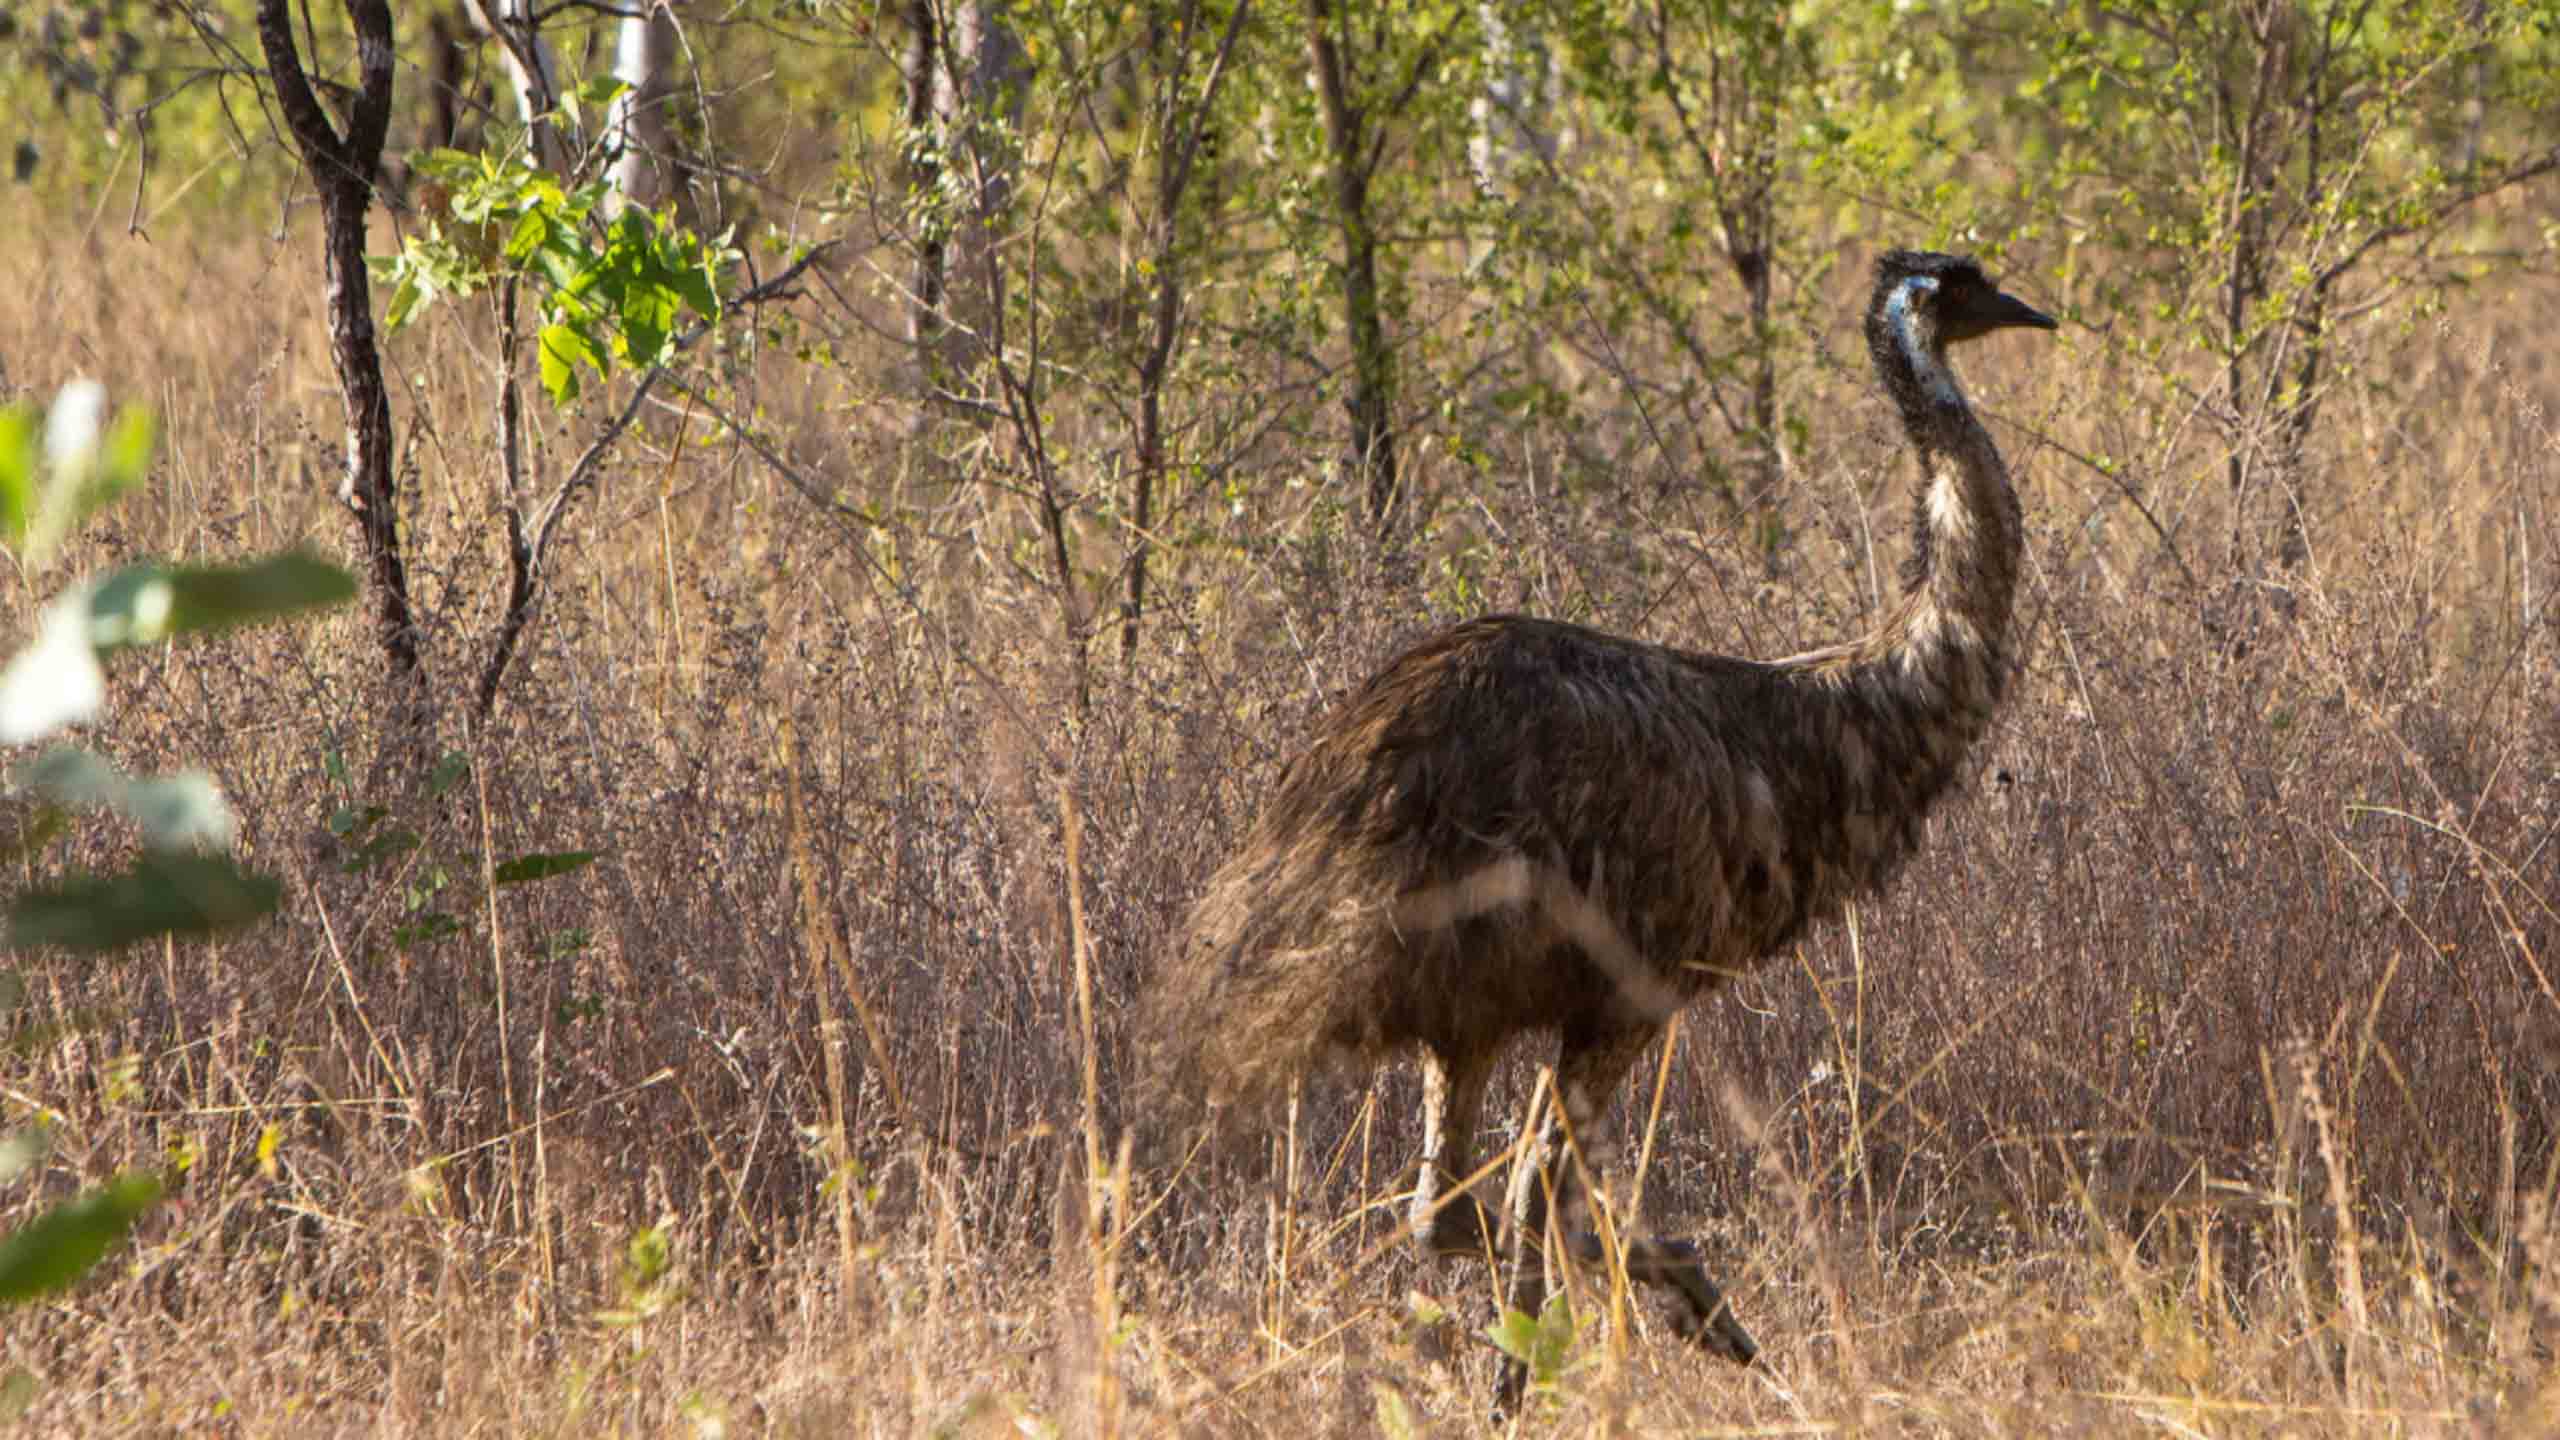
(20, 454)
(175, 811)
(566, 260)
(450, 168)
(648, 319)
(145, 604)
(1515, 1334)
(62, 1244)
(219, 597)
(559, 369)
(696, 285)
(166, 893)
(408, 294)
(542, 867)
(592, 98)
(86, 465)
(530, 236)
(452, 768)
(123, 459)
(1544, 1344)
(563, 347)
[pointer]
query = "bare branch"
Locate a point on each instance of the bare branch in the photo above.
(529, 544)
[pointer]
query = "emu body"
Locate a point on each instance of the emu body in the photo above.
(1520, 824)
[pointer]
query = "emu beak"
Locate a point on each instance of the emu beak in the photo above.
(2006, 310)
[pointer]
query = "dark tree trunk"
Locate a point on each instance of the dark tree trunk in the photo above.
(342, 170)
(1751, 267)
(1151, 455)
(2252, 125)
(924, 174)
(1351, 156)
(444, 82)
(1182, 127)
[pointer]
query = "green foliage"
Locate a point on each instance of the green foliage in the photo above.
(1544, 1343)
(542, 867)
(163, 894)
(440, 899)
(55, 473)
(58, 470)
(95, 89)
(146, 604)
(58, 680)
(175, 887)
(177, 812)
(56, 1249)
(1721, 113)
(647, 1283)
(605, 289)
(2260, 180)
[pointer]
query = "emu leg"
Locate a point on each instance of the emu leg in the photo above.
(1587, 1074)
(1525, 1214)
(1705, 1318)
(1452, 1098)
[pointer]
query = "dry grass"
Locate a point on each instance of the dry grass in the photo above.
(2200, 1079)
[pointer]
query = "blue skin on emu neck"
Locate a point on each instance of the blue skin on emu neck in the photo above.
(1933, 376)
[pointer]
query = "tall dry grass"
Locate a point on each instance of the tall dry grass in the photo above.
(2199, 1078)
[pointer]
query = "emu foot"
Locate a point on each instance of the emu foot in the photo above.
(1704, 1317)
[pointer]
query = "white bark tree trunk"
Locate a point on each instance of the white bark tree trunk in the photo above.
(966, 78)
(1510, 113)
(533, 73)
(639, 142)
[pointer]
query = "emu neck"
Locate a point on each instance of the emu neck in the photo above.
(1960, 579)
(1934, 671)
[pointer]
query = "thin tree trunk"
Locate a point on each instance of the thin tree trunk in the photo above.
(444, 82)
(533, 72)
(965, 77)
(924, 177)
(2311, 322)
(637, 134)
(1508, 117)
(2245, 281)
(1751, 267)
(523, 564)
(1350, 159)
(1151, 459)
(1734, 140)
(1180, 128)
(343, 170)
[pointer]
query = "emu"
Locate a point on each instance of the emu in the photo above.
(1525, 825)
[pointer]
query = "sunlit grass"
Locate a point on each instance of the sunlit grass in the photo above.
(2198, 1080)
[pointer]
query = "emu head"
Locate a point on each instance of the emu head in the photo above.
(1925, 301)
